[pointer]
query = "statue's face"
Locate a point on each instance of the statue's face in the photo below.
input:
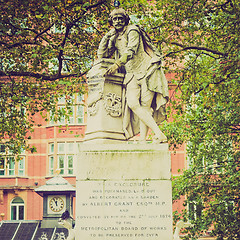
(118, 22)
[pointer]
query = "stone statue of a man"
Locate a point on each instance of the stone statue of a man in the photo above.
(146, 86)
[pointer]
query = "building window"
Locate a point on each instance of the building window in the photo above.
(21, 166)
(51, 158)
(8, 164)
(195, 210)
(2, 165)
(65, 157)
(80, 109)
(62, 158)
(17, 209)
(75, 110)
(229, 206)
(201, 164)
(11, 166)
(208, 164)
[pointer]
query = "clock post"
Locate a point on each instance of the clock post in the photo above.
(57, 196)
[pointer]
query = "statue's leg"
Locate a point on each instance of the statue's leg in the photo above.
(146, 102)
(142, 109)
(146, 98)
(143, 132)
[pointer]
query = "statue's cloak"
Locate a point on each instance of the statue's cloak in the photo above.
(156, 82)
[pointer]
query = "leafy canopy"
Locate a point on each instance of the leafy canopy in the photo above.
(200, 42)
(46, 47)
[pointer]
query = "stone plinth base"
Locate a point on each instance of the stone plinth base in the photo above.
(124, 192)
(104, 124)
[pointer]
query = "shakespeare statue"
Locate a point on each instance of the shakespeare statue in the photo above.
(146, 86)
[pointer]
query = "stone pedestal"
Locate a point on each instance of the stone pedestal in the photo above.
(104, 123)
(124, 192)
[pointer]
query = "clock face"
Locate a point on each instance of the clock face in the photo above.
(56, 204)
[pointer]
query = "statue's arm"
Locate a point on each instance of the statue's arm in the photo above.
(106, 47)
(131, 50)
(132, 47)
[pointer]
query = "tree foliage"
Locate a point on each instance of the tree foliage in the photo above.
(200, 42)
(46, 47)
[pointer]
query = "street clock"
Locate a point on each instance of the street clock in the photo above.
(58, 196)
(56, 204)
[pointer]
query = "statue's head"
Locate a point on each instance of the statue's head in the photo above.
(118, 13)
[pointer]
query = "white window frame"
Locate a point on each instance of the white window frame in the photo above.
(76, 116)
(195, 205)
(66, 157)
(51, 151)
(62, 157)
(11, 167)
(21, 167)
(17, 206)
(2, 166)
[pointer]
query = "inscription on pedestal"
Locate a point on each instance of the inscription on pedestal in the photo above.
(124, 209)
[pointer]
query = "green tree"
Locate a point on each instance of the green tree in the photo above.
(46, 47)
(200, 42)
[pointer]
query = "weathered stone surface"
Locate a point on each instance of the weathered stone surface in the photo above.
(124, 192)
(124, 161)
(105, 114)
(145, 84)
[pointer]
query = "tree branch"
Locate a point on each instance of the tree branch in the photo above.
(60, 55)
(194, 47)
(38, 34)
(9, 46)
(40, 76)
(208, 85)
(45, 30)
(68, 28)
(87, 8)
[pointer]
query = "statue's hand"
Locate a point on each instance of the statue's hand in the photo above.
(111, 33)
(111, 70)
